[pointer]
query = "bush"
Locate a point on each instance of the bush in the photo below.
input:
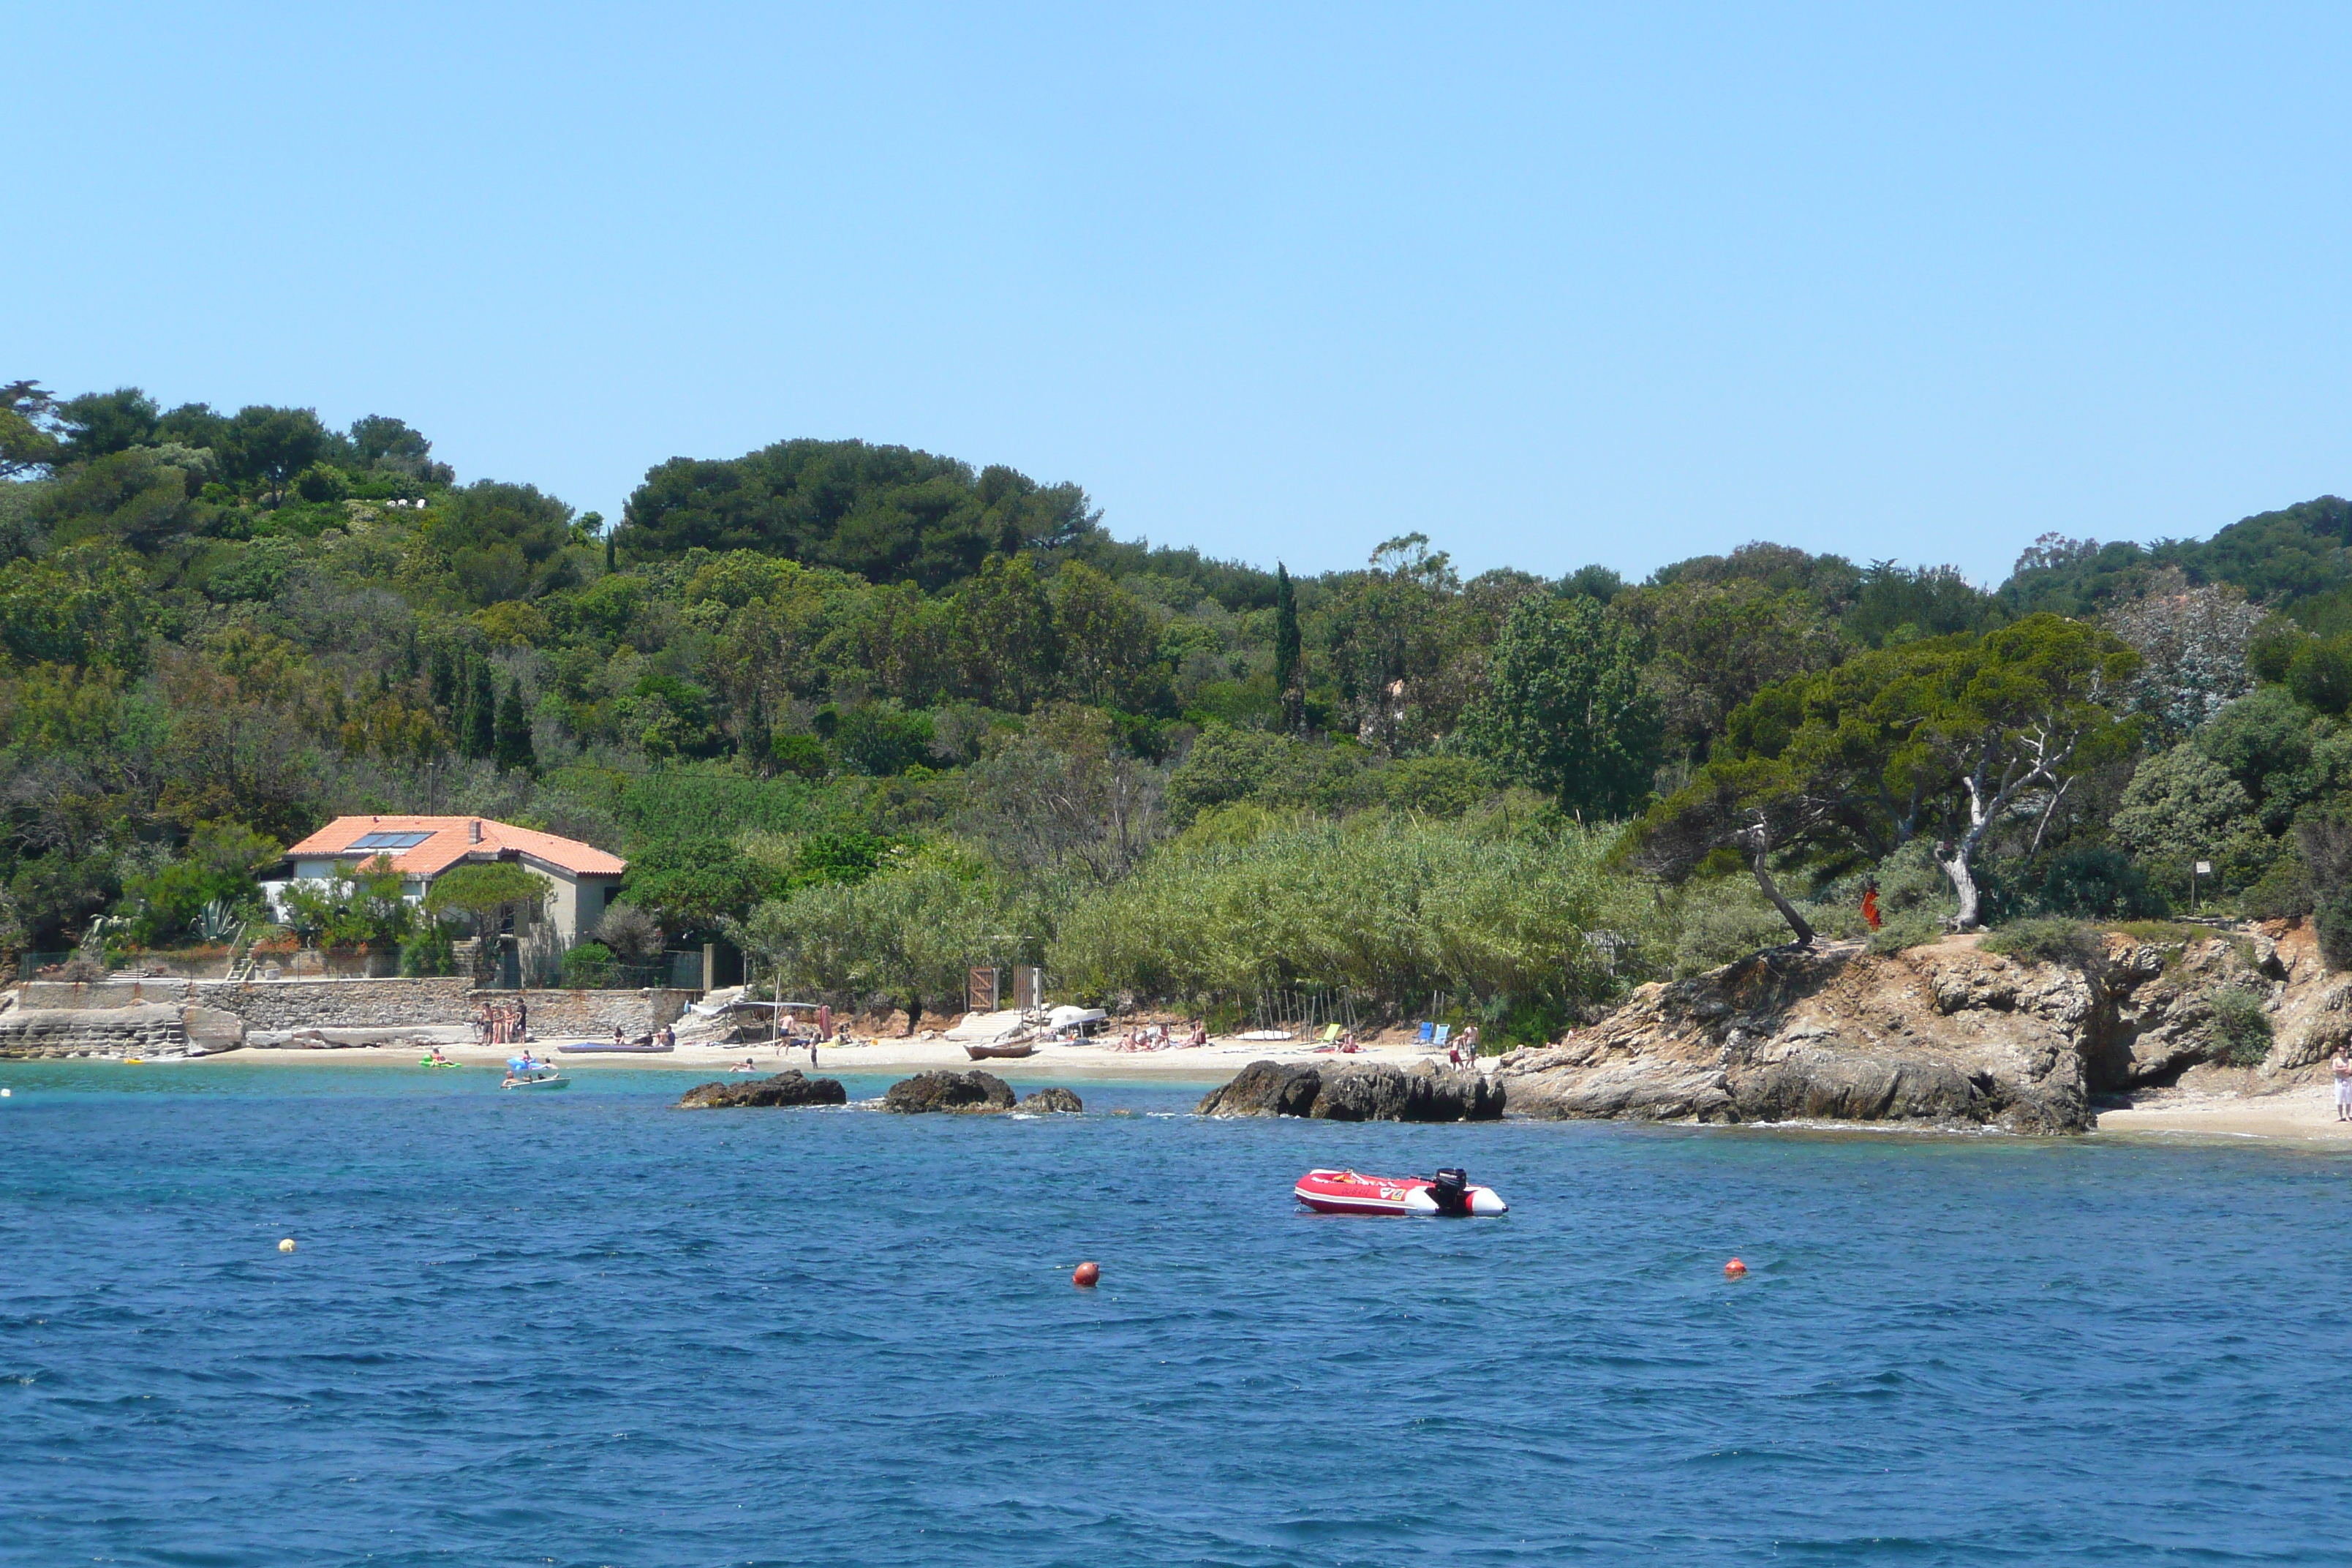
(589, 966)
(2097, 881)
(2242, 1029)
(2282, 892)
(429, 952)
(803, 756)
(1724, 923)
(1914, 929)
(2324, 833)
(2046, 941)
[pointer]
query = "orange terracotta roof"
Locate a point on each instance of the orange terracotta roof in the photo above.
(446, 841)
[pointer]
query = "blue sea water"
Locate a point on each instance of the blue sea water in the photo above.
(584, 1328)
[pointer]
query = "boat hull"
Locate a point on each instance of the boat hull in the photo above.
(1348, 1191)
(543, 1083)
(992, 1053)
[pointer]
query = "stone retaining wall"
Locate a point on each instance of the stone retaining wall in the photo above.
(280, 1005)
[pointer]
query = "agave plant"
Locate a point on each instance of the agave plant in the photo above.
(216, 921)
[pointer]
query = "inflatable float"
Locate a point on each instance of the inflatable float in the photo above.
(1346, 1192)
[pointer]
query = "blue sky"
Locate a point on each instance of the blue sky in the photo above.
(1551, 285)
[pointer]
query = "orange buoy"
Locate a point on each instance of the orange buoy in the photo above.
(1734, 1269)
(1085, 1276)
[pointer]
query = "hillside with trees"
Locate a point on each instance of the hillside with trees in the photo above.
(877, 715)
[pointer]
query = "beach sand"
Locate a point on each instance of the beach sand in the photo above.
(1217, 1060)
(2308, 1111)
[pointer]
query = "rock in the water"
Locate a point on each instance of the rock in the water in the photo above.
(1357, 1092)
(928, 1091)
(1945, 1034)
(784, 1089)
(1051, 1100)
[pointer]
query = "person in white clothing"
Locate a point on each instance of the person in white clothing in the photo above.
(2341, 1066)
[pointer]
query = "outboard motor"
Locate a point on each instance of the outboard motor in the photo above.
(1450, 1191)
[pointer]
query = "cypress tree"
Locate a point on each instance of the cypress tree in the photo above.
(478, 735)
(512, 744)
(443, 679)
(608, 554)
(1289, 673)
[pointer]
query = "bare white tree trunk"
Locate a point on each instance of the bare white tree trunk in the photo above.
(1955, 862)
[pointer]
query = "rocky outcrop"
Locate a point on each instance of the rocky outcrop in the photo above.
(786, 1089)
(1056, 1100)
(931, 1091)
(1945, 1034)
(147, 1029)
(1357, 1092)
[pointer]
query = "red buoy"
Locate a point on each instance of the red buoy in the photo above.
(1087, 1273)
(1734, 1269)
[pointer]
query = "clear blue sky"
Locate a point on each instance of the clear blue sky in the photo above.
(1619, 284)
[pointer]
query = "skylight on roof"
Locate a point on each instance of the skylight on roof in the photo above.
(409, 840)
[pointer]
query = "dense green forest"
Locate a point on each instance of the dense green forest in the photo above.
(877, 715)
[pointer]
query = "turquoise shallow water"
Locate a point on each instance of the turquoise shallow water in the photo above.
(584, 1329)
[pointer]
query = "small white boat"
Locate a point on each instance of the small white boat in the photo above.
(525, 1072)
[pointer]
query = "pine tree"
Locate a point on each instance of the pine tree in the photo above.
(476, 737)
(1289, 666)
(512, 744)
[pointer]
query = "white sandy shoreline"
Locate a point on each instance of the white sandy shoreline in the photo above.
(1217, 1060)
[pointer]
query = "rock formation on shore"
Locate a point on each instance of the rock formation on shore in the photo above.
(785, 1089)
(148, 1029)
(1051, 1100)
(1941, 1035)
(931, 1091)
(1357, 1092)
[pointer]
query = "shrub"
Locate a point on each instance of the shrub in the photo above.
(1914, 929)
(429, 952)
(588, 966)
(2282, 892)
(2324, 833)
(2097, 881)
(2046, 941)
(2242, 1029)
(803, 756)
(1723, 922)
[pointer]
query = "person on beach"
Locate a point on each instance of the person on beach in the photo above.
(2341, 1066)
(1470, 1043)
(483, 1023)
(522, 1019)
(617, 1036)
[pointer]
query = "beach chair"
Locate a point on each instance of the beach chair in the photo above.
(1427, 1030)
(1444, 1032)
(1330, 1033)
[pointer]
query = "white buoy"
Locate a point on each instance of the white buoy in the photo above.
(286, 1245)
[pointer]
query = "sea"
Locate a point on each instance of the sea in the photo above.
(584, 1328)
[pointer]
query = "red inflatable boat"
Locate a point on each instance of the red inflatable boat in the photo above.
(1346, 1191)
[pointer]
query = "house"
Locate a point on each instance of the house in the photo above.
(420, 849)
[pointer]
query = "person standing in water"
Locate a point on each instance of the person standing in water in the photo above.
(2341, 1066)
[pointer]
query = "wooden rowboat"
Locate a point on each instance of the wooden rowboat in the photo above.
(982, 1053)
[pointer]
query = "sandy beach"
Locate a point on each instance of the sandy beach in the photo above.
(2308, 1111)
(1219, 1059)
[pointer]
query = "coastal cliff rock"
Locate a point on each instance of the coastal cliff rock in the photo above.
(1942, 1035)
(1357, 1092)
(785, 1089)
(1051, 1100)
(931, 1091)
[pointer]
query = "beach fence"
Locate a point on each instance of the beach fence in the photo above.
(1305, 1010)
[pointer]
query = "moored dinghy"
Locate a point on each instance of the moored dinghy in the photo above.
(1348, 1192)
